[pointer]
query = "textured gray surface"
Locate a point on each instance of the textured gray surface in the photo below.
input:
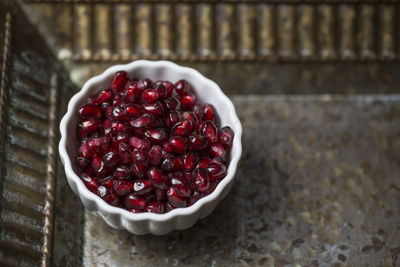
(318, 185)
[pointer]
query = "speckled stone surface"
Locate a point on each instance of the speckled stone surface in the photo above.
(318, 185)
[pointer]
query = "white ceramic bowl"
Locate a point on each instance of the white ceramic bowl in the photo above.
(143, 223)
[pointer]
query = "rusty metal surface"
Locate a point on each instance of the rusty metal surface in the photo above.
(255, 31)
(317, 186)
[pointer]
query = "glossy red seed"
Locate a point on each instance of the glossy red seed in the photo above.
(122, 172)
(91, 183)
(118, 81)
(85, 151)
(139, 170)
(194, 198)
(118, 127)
(170, 87)
(98, 144)
(119, 113)
(144, 84)
(217, 150)
(111, 158)
(139, 157)
(107, 181)
(171, 163)
(107, 109)
(190, 160)
(172, 103)
(162, 91)
(98, 165)
(198, 110)
(204, 162)
(178, 144)
(140, 144)
(113, 200)
(133, 201)
(155, 108)
(209, 131)
(211, 188)
(121, 138)
(102, 192)
(183, 128)
(216, 171)
(124, 153)
(156, 136)
(160, 194)
(142, 187)
(168, 207)
(172, 118)
(103, 96)
(117, 100)
(201, 180)
(87, 127)
(155, 155)
(156, 207)
(182, 87)
(88, 110)
(157, 178)
(132, 92)
(197, 142)
(188, 115)
(175, 199)
(225, 136)
(187, 101)
(133, 110)
(209, 113)
(107, 124)
(167, 148)
(122, 187)
(181, 186)
(187, 175)
(82, 163)
(149, 96)
(143, 121)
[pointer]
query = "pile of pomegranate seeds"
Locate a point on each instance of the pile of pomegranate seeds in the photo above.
(151, 147)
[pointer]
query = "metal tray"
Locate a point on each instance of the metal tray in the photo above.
(318, 181)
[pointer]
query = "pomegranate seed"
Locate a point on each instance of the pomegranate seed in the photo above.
(157, 178)
(168, 207)
(143, 121)
(124, 153)
(107, 110)
(198, 110)
(172, 118)
(118, 82)
(190, 160)
(216, 170)
(122, 187)
(194, 198)
(91, 183)
(107, 127)
(175, 199)
(111, 158)
(170, 87)
(209, 113)
(157, 135)
(118, 127)
(88, 126)
(103, 96)
(98, 144)
(133, 201)
(203, 163)
(160, 194)
(122, 172)
(132, 92)
(155, 108)
(182, 87)
(211, 188)
(140, 144)
(107, 181)
(167, 148)
(188, 115)
(188, 176)
(162, 92)
(121, 138)
(156, 207)
(172, 103)
(113, 200)
(98, 165)
(139, 170)
(133, 110)
(178, 144)
(201, 181)
(149, 95)
(183, 128)
(144, 84)
(217, 150)
(187, 101)
(103, 193)
(82, 162)
(85, 151)
(139, 157)
(209, 131)
(117, 100)
(171, 164)
(89, 110)
(225, 136)
(155, 155)
(150, 197)
(197, 142)
(181, 187)
(119, 113)
(142, 187)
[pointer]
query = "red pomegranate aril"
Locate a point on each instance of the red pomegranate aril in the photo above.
(204, 162)
(140, 144)
(217, 150)
(155, 108)
(89, 110)
(107, 124)
(194, 198)
(124, 153)
(107, 109)
(190, 160)
(122, 172)
(172, 118)
(142, 187)
(88, 126)
(198, 110)
(188, 115)
(85, 151)
(181, 187)
(107, 181)
(102, 192)
(150, 197)
(209, 131)
(172, 103)
(201, 180)
(98, 165)
(133, 201)
(111, 158)
(144, 84)
(216, 171)
(167, 148)
(119, 113)
(175, 199)
(160, 194)
(211, 188)
(122, 138)
(178, 144)
(113, 200)
(120, 127)
(171, 164)
(122, 187)
(156, 207)
(188, 176)
(157, 178)
(187, 101)
(117, 100)
(143, 121)
(162, 91)
(209, 113)
(91, 183)
(118, 82)
(98, 144)
(82, 163)
(139, 170)
(182, 87)
(139, 157)
(157, 136)
(149, 96)
(103, 96)
(225, 136)
(183, 128)
(134, 110)
(132, 92)
(155, 155)
(170, 87)
(197, 142)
